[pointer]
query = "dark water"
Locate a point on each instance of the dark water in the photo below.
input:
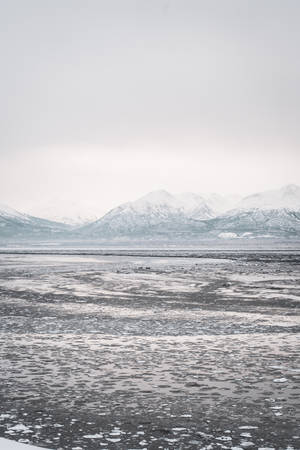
(170, 349)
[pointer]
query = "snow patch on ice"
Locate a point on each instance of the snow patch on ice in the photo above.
(6, 444)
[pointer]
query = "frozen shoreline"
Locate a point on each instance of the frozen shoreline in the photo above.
(150, 351)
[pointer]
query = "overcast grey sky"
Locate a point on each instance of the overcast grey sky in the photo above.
(105, 100)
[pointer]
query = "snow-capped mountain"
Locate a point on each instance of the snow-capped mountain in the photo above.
(273, 212)
(16, 224)
(68, 211)
(161, 215)
(221, 203)
(155, 211)
(286, 197)
(10, 213)
(193, 206)
(257, 222)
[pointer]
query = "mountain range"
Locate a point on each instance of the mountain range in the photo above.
(161, 215)
(17, 225)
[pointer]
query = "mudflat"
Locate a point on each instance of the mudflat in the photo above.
(150, 350)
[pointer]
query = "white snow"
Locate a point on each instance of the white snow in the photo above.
(160, 207)
(93, 436)
(188, 203)
(266, 448)
(155, 208)
(221, 203)
(247, 444)
(20, 427)
(6, 444)
(286, 197)
(7, 212)
(228, 235)
(68, 211)
(280, 380)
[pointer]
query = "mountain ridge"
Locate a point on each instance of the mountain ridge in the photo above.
(18, 224)
(160, 213)
(175, 216)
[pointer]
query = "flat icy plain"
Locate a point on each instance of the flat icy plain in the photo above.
(150, 349)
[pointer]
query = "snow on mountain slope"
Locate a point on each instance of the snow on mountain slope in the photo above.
(286, 197)
(16, 224)
(169, 216)
(187, 204)
(194, 206)
(160, 213)
(68, 211)
(273, 212)
(154, 209)
(258, 221)
(221, 203)
(7, 212)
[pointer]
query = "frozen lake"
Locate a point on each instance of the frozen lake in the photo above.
(150, 349)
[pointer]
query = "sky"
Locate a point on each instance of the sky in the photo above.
(103, 101)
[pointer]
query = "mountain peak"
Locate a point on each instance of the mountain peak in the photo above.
(159, 196)
(186, 215)
(290, 189)
(286, 197)
(8, 211)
